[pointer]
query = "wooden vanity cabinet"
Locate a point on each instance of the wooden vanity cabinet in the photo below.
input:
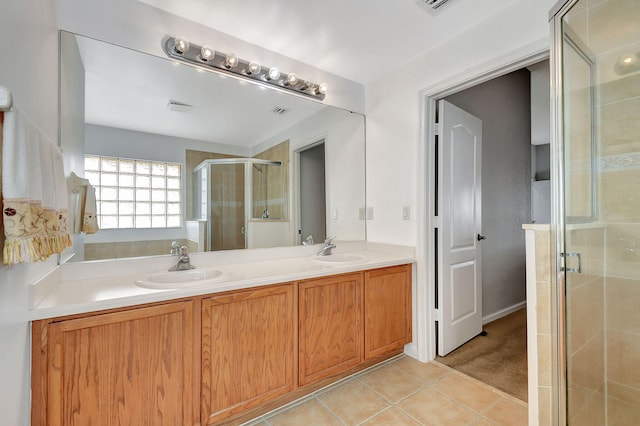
(247, 349)
(215, 358)
(133, 367)
(329, 326)
(387, 310)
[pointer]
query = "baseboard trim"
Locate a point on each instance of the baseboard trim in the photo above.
(503, 312)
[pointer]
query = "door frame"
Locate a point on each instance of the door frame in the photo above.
(295, 205)
(425, 317)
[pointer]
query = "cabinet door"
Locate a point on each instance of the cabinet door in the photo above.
(133, 367)
(247, 350)
(387, 310)
(330, 326)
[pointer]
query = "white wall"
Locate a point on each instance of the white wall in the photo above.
(29, 40)
(393, 109)
(343, 134)
(141, 27)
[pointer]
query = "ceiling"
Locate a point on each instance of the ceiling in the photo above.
(360, 40)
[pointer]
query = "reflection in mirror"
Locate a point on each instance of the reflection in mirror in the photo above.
(579, 119)
(138, 116)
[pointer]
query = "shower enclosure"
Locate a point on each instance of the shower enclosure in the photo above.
(596, 132)
(232, 193)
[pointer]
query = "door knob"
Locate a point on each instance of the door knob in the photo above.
(481, 237)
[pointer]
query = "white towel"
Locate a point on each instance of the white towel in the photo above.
(34, 193)
(90, 219)
(84, 209)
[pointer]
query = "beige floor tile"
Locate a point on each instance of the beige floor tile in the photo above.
(482, 421)
(507, 412)
(424, 372)
(467, 392)
(311, 413)
(393, 416)
(433, 408)
(391, 383)
(353, 402)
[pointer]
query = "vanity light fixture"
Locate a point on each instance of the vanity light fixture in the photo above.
(206, 58)
(435, 3)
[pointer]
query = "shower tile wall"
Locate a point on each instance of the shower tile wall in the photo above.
(610, 29)
(97, 251)
(275, 189)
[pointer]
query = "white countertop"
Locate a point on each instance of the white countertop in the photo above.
(81, 287)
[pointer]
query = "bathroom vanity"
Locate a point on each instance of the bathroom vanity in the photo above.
(273, 331)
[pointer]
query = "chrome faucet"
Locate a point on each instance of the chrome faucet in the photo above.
(184, 262)
(328, 246)
(175, 248)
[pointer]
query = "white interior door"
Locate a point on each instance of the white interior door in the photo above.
(459, 254)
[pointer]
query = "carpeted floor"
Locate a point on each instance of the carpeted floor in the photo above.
(498, 359)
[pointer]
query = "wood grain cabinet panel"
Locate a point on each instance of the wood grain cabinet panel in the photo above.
(387, 310)
(126, 368)
(330, 326)
(247, 350)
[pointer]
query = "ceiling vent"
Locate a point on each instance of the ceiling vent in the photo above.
(179, 106)
(435, 3)
(279, 110)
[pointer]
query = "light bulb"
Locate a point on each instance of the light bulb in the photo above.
(273, 74)
(322, 88)
(231, 61)
(253, 68)
(207, 53)
(628, 60)
(292, 79)
(180, 45)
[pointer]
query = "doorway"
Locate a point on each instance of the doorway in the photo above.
(503, 105)
(312, 225)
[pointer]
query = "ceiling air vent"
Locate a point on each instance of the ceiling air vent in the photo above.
(179, 106)
(435, 3)
(279, 110)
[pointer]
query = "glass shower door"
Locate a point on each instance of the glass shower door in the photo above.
(597, 77)
(227, 219)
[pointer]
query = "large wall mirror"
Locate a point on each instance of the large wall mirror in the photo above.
(210, 161)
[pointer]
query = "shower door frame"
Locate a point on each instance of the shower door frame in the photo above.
(558, 228)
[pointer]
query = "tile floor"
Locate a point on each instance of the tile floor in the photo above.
(402, 391)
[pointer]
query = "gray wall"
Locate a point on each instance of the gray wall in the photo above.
(504, 106)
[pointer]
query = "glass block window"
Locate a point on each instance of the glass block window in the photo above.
(135, 193)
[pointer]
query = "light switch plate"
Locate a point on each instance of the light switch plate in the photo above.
(406, 213)
(369, 213)
(334, 214)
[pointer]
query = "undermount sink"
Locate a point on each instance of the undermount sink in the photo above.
(179, 279)
(340, 259)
